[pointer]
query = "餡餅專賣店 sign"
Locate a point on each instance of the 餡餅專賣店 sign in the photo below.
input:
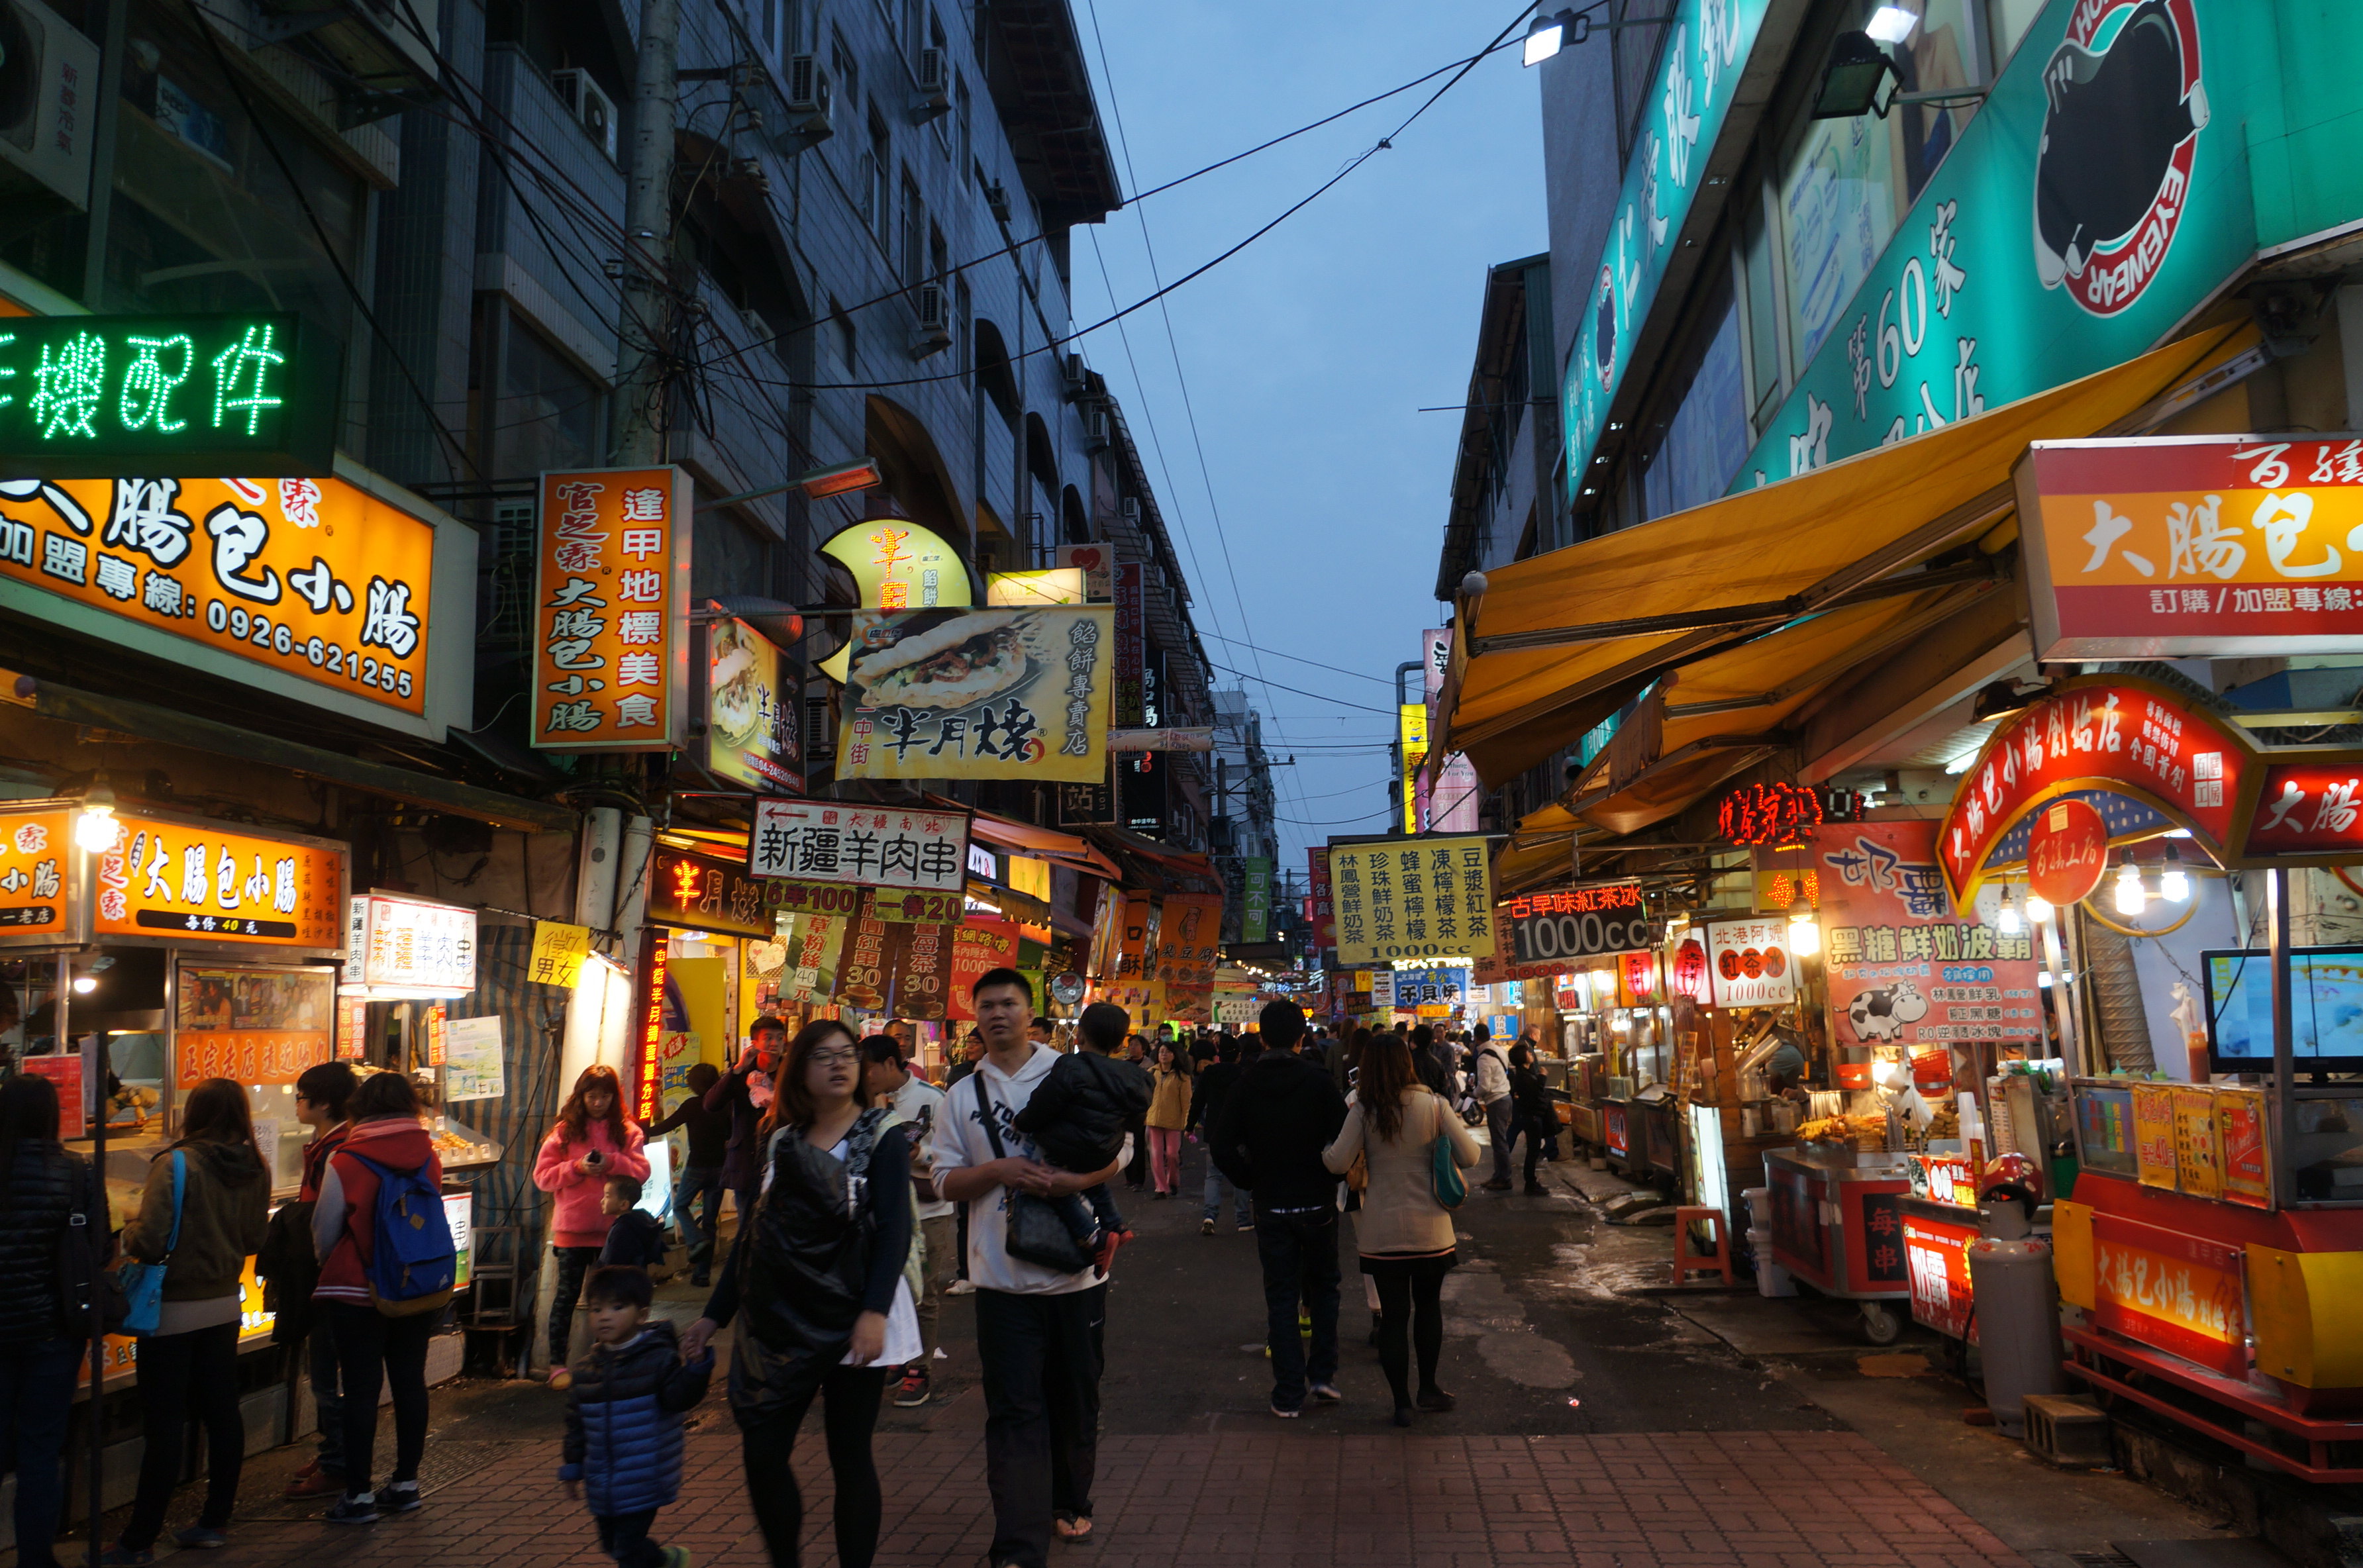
(611, 611)
(315, 589)
(107, 396)
(1426, 898)
(2168, 547)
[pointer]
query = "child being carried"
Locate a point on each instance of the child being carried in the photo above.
(1078, 1120)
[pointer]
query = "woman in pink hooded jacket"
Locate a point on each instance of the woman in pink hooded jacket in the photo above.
(594, 1139)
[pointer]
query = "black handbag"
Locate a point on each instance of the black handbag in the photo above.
(1035, 1234)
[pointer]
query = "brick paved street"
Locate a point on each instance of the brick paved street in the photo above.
(1597, 1429)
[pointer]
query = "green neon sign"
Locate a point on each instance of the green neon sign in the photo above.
(121, 396)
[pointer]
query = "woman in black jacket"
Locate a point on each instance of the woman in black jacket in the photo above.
(819, 1272)
(1531, 1109)
(40, 1187)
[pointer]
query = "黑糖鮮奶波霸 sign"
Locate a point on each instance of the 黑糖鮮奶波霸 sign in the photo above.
(127, 397)
(867, 847)
(1426, 898)
(611, 616)
(1010, 694)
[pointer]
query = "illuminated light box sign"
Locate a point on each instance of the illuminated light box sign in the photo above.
(408, 948)
(130, 396)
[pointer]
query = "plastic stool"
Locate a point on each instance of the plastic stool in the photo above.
(1687, 1262)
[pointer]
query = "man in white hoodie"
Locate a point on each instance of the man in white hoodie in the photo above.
(1493, 1094)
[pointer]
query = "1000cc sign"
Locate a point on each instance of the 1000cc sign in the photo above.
(1544, 936)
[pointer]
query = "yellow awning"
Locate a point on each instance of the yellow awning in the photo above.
(1560, 640)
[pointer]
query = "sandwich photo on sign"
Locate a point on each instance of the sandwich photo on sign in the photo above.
(992, 693)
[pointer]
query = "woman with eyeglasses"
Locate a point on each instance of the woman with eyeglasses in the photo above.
(822, 1273)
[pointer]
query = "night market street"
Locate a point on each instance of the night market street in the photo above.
(1597, 1429)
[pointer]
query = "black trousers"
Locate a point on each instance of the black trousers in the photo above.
(182, 1375)
(1298, 1253)
(767, 1440)
(625, 1538)
(1411, 1309)
(374, 1351)
(573, 1264)
(1041, 1357)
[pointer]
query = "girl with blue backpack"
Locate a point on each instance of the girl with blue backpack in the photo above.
(200, 1216)
(386, 1270)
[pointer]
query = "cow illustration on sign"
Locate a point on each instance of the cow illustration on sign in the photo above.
(1879, 1016)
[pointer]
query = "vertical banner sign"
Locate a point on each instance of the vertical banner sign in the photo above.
(918, 959)
(1411, 744)
(861, 978)
(1902, 970)
(1430, 898)
(1255, 910)
(1131, 643)
(611, 611)
(648, 1052)
(1325, 921)
(978, 946)
(1132, 937)
(1705, 42)
(1019, 695)
(1187, 933)
(813, 943)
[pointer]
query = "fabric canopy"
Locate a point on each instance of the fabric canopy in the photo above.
(1560, 640)
(1027, 839)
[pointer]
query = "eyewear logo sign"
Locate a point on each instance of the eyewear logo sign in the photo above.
(2125, 108)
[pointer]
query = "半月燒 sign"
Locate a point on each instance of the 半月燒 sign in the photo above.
(1007, 694)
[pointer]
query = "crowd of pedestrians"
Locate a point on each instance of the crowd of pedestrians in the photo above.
(864, 1196)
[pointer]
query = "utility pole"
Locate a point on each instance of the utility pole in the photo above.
(648, 227)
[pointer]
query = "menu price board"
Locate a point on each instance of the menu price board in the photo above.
(2154, 1155)
(190, 882)
(611, 611)
(2198, 1166)
(1902, 970)
(1427, 898)
(2241, 1146)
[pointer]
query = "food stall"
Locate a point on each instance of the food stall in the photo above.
(2208, 1240)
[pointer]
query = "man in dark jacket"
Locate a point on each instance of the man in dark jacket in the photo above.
(701, 1173)
(1427, 1059)
(744, 1092)
(1213, 1085)
(1267, 1138)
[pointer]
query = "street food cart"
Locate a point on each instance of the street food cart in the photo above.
(2209, 1251)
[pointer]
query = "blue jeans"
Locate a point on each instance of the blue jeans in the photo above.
(36, 1386)
(695, 1180)
(320, 1360)
(1216, 1184)
(1088, 1212)
(1298, 1248)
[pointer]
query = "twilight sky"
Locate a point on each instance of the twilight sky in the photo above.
(1306, 355)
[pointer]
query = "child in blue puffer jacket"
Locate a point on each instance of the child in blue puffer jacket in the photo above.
(623, 1419)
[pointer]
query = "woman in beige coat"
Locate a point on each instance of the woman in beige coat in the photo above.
(1403, 1234)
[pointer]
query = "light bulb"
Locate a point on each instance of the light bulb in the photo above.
(85, 983)
(97, 829)
(2007, 922)
(2038, 909)
(2131, 896)
(1804, 936)
(2174, 882)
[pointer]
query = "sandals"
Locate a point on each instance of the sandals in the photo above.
(1075, 1529)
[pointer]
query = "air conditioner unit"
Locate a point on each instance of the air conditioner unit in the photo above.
(1073, 374)
(1095, 427)
(935, 79)
(934, 333)
(1130, 509)
(808, 95)
(49, 100)
(996, 200)
(589, 104)
(820, 728)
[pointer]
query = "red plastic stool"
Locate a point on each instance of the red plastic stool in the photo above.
(1687, 1262)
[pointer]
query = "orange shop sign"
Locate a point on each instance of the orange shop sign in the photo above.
(185, 881)
(2171, 545)
(611, 611)
(36, 873)
(313, 588)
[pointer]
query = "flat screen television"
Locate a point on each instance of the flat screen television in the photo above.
(2325, 1009)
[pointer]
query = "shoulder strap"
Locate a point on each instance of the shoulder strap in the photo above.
(985, 1111)
(180, 1177)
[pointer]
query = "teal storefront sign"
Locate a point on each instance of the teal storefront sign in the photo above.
(2134, 157)
(1697, 79)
